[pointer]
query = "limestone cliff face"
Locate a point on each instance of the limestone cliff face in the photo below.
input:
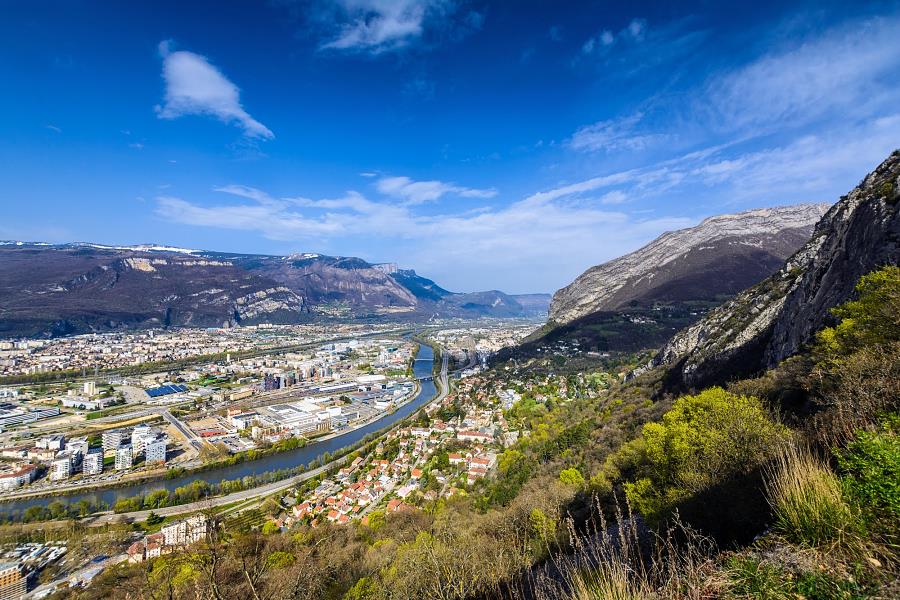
(719, 257)
(774, 319)
(322, 279)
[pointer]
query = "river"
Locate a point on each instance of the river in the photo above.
(282, 460)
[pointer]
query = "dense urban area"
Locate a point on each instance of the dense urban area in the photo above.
(112, 409)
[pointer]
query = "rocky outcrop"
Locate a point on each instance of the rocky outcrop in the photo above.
(774, 319)
(719, 257)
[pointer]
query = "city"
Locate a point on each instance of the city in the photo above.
(95, 432)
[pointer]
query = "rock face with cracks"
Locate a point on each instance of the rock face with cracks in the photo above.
(775, 318)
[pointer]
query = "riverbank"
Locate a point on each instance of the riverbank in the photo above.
(281, 462)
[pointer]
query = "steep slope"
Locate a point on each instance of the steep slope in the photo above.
(323, 279)
(719, 257)
(774, 319)
(420, 287)
(535, 305)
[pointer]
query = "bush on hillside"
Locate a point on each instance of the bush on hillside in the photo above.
(857, 374)
(872, 319)
(871, 474)
(702, 441)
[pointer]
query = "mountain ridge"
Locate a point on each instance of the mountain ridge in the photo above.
(59, 289)
(721, 256)
(777, 317)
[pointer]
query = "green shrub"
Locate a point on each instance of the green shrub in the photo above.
(887, 190)
(872, 319)
(270, 528)
(871, 468)
(572, 477)
(807, 501)
(702, 441)
(760, 580)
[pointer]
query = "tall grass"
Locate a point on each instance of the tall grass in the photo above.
(806, 498)
(626, 561)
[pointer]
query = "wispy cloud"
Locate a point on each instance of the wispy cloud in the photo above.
(53, 128)
(779, 127)
(616, 134)
(634, 32)
(850, 70)
(376, 26)
(490, 245)
(418, 192)
(196, 87)
(640, 46)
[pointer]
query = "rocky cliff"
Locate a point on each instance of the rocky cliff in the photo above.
(718, 258)
(774, 319)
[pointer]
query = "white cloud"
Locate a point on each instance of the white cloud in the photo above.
(635, 31)
(489, 247)
(418, 192)
(615, 134)
(852, 68)
(588, 185)
(614, 197)
(377, 26)
(588, 46)
(195, 87)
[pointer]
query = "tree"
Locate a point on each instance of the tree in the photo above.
(270, 528)
(572, 477)
(872, 319)
(153, 519)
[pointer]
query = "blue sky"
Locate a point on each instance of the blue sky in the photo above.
(503, 145)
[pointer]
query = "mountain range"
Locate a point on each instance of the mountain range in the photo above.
(49, 290)
(642, 299)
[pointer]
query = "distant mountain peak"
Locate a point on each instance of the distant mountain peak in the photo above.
(718, 257)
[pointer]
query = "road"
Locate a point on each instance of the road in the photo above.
(192, 438)
(443, 381)
(264, 490)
